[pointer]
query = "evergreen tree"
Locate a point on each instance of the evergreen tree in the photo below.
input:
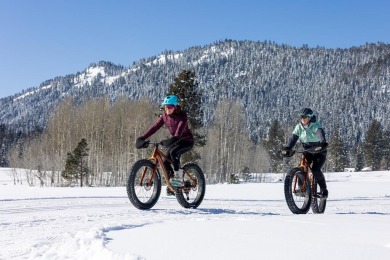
(385, 163)
(338, 152)
(359, 157)
(188, 91)
(190, 98)
(76, 166)
(234, 179)
(3, 145)
(373, 145)
(80, 153)
(273, 145)
(70, 170)
(246, 175)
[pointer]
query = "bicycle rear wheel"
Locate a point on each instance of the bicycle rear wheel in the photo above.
(318, 204)
(143, 187)
(297, 192)
(192, 194)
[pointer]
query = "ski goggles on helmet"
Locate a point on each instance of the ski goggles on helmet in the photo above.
(307, 115)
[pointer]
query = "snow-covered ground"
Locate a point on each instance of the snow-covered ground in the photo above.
(243, 221)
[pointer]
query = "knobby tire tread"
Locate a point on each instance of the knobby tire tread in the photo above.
(318, 205)
(289, 196)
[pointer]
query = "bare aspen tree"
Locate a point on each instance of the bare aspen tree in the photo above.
(58, 136)
(228, 149)
(111, 128)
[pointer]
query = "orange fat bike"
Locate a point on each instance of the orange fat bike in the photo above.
(144, 182)
(300, 187)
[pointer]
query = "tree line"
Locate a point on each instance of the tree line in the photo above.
(106, 132)
(102, 135)
(92, 143)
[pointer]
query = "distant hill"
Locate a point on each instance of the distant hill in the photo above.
(347, 87)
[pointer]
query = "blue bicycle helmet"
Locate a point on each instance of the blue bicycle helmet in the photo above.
(171, 100)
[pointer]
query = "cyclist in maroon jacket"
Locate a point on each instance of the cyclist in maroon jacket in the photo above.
(181, 141)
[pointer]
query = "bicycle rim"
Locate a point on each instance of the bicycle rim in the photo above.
(143, 187)
(192, 194)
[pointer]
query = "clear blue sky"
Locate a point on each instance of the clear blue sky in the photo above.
(42, 39)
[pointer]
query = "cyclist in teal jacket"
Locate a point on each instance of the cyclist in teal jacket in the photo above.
(310, 133)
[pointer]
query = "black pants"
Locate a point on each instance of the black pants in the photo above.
(318, 161)
(174, 152)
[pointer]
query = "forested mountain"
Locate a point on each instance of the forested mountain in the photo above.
(346, 87)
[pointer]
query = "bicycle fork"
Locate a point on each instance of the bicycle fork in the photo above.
(301, 186)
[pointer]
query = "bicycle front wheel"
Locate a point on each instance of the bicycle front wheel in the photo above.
(143, 184)
(192, 193)
(297, 191)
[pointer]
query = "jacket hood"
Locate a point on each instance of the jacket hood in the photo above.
(313, 119)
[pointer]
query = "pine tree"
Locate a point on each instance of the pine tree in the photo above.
(338, 152)
(234, 179)
(274, 144)
(70, 170)
(359, 157)
(75, 166)
(385, 163)
(80, 153)
(3, 145)
(190, 97)
(246, 175)
(373, 145)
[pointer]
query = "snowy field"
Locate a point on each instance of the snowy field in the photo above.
(244, 221)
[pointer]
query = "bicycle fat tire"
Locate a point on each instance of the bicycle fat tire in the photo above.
(143, 192)
(318, 205)
(192, 196)
(297, 204)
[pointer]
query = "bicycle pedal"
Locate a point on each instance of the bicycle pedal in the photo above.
(170, 193)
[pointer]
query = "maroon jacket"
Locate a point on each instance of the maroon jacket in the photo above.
(177, 125)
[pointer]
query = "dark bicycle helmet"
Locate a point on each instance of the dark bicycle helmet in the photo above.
(307, 112)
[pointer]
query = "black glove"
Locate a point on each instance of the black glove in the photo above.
(320, 147)
(141, 143)
(287, 152)
(170, 141)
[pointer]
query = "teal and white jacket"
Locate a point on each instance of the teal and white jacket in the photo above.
(311, 135)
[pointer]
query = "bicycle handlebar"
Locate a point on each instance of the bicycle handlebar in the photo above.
(313, 150)
(148, 143)
(316, 149)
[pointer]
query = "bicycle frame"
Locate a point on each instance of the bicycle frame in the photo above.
(305, 166)
(157, 157)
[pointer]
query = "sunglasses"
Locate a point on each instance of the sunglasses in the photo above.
(169, 106)
(308, 116)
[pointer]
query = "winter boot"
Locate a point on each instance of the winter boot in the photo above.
(323, 194)
(177, 180)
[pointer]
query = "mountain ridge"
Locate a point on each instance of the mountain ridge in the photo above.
(346, 87)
